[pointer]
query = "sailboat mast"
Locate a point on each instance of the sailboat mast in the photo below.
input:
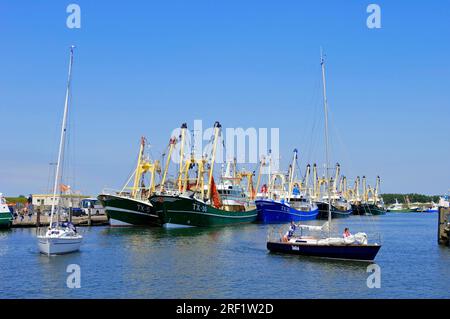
(180, 172)
(325, 107)
(63, 135)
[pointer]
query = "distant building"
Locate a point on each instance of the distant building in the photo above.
(45, 201)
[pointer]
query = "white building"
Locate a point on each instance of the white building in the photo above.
(45, 201)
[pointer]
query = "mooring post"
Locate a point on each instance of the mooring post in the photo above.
(38, 217)
(89, 217)
(443, 226)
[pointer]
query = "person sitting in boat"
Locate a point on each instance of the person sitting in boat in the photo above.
(346, 233)
(290, 232)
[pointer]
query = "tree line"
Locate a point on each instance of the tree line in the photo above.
(413, 197)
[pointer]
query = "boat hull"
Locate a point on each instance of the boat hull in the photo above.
(5, 220)
(406, 210)
(348, 252)
(178, 211)
(58, 246)
(124, 211)
(335, 212)
(272, 212)
(367, 209)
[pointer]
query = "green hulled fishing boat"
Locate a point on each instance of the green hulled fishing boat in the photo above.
(181, 210)
(126, 211)
(370, 203)
(5, 214)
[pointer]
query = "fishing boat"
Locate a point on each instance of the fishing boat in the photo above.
(131, 206)
(6, 217)
(292, 205)
(196, 203)
(396, 207)
(352, 247)
(372, 203)
(434, 208)
(400, 208)
(340, 207)
(444, 201)
(61, 237)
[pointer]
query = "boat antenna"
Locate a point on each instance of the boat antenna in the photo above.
(325, 107)
(63, 135)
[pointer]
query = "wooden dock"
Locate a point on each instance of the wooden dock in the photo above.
(100, 220)
(444, 226)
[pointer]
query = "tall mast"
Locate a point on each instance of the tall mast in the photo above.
(258, 180)
(325, 107)
(172, 143)
(180, 172)
(364, 185)
(308, 172)
(377, 187)
(291, 177)
(63, 135)
(269, 186)
(138, 172)
(217, 127)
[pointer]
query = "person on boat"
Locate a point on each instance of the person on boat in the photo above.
(290, 232)
(346, 233)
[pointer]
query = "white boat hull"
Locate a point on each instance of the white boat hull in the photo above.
(118, 223)
(57, 246)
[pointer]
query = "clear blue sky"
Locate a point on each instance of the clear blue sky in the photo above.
(144, 67)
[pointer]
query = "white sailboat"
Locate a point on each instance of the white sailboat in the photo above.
(60, 238)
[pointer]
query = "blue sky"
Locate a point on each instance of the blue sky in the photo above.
(144, 67)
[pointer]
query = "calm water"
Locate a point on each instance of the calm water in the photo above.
(228, 262)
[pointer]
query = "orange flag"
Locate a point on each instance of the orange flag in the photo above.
(215, 195)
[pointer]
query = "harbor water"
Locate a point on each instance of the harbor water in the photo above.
(228, 262)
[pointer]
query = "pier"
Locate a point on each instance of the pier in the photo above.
(44, 221)
(444, 226)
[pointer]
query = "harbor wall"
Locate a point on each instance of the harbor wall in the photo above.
(444, 226)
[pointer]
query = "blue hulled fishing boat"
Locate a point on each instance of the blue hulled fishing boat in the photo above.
(284, 206)
(280, 211)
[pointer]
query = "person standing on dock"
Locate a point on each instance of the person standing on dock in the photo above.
(29, 207)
